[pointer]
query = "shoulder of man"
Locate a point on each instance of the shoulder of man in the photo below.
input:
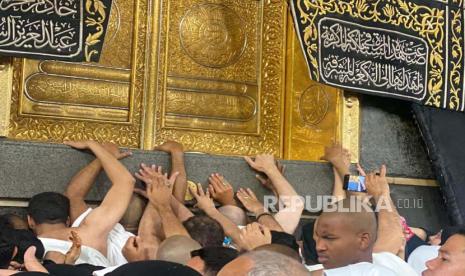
(393, 262)
(361, 269)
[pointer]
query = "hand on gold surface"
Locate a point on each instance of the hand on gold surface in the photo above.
(338, 156)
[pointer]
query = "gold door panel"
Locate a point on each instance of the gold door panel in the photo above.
(55, 101)
(223, 76)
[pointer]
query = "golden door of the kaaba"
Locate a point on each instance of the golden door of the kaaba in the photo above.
(224, 77)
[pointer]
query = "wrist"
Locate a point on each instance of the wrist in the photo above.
(232, 202)
(160, 206)
(259, 211)
(177, 152)
(209, 209)
(341, 169)
(272, 171)
(380, 196)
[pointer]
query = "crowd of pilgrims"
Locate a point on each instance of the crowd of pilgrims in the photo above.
(225, 232)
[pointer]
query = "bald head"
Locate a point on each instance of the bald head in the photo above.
(281, 249)
(345, 234)
(177, 249)
(264, 262)
(234, 214)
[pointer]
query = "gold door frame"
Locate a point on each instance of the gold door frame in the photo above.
(139, 116)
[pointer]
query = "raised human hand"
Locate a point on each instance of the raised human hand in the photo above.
(221, 190)
(204, 201)
(170, 147)
(338, 156)
(255, 235)
(360, 170)
(158, 186)
(250, 201)
(75, 250)
(266, 181)
(134, 251)
(150, 174)
(377, 184)
(263, 163)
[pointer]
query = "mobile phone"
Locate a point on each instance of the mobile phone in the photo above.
(354, 183)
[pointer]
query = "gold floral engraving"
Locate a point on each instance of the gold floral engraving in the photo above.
(254, 82)
(99, 10)
(313, 110)
(5, 94)
(313, 105)
(455, 90)
(56, 101)
(212, 35)
(351, 126)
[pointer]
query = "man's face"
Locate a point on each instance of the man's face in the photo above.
(337, 244)
(451, 259)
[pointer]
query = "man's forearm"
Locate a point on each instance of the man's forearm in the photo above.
(180, 185)
(150, 230)
(338, 188)
(230, 228)
(170, 223)
(180, 210)
(287, 194)
(270, 222)
(283, 187)
(82, 182)
(341, 169)
(116, 172)
(390, 232)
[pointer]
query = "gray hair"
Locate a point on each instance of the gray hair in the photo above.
(267, 263)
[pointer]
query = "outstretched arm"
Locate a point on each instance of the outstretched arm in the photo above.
(248, 198)
(159, 195)
(151, 225)
(102, 219)
(340, 159)
(177, 165)
(390, 233)
(82, 182)
(205, 203)
(288, 217)
(80, 186)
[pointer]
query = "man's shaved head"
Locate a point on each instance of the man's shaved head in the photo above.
(177, 249)
(345, 234)
(262, 262)
(234, 214)
(281, 249)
